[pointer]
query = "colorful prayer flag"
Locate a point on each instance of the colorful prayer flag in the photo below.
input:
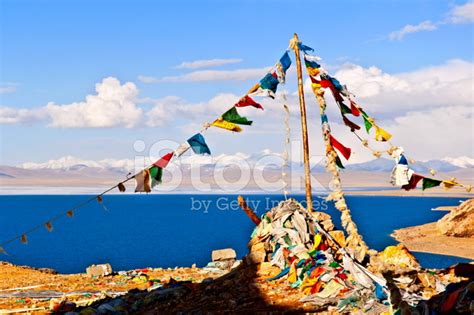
(269, 82)
(367, 123)
(233, 116)
(414, 179)
(226, 125)
(339, 162)
(143, 181)
(450, 183)
(304, 48)
(344, 108)
(346, 152)
(355, 111)
(403, 160)
(381, 134)
(350, 124)
(285, 61)
(198, 144)
(121, 187)
(430, 183)
(313, 71)
(248, 101)
(182, 149)
(164, 160)
(49, 226)
(156, 174)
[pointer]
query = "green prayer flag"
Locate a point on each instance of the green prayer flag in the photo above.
(367, 124)
(156, 174)
(345, 109)
(430, 183)
(233, 116)
(339, 162)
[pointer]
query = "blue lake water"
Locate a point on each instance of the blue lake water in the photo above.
(179, 230)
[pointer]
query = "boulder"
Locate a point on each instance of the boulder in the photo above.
(459, 222)
(223, 254)
(99, 270)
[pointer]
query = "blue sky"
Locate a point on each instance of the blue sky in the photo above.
(57, 51)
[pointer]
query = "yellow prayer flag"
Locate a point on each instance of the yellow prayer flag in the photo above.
(450, 183)
(292, 276)
(221, 123)
(381, 134)
(317, 241)
(313, 71)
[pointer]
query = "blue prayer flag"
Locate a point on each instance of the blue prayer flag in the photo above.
(269, 82)
(304, 47)
(285, 61)
(198, 144)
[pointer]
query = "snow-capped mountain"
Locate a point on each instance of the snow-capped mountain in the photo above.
(462, 161)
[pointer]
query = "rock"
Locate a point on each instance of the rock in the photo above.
(459, 222)
(223, 254)
(395, 258)
(99, 270)
(255, 257)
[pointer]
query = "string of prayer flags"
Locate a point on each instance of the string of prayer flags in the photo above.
(221, 123)
(248, 101)
(430, 183)
(121, 187)
(49, 226)
(164, 160)
(414, 180)
(381, 134)
(233, 116)
(198, 144)
(345, 151)
(143, 181)
(156, 174)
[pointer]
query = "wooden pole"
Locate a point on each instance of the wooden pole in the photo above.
(304, 126)
(248, 210)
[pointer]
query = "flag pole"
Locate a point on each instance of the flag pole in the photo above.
(304, 126)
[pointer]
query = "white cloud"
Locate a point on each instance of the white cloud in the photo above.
(114, 104)
(443, 85)
(408, 29)
(462, 13)
(210, 75)
(8, 88)
(207, 63)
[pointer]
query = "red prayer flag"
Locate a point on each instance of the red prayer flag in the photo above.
(346, 152)
(328, 84)
(415, 178)
(164, 160)
(248, 101)
(354, 109)
(274, 74)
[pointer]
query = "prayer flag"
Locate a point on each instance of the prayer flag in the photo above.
(233, 116)
(164, 160)
(198, 144)
(403, 160)
(400, 175)
(350, 124)
(450, 183)
(414, 179)
(263, 92)
(70, 213)
(248, 101)
(24, 239)
(355, 111)
(381, 134)
(344, 108)
(430, 182)
(49, 226)
(336, 83)
(121, 187)
(182, 149)
(285, 61)
(346, 152)
(156, 174)
(367, 123)
(313, 71)
(226, 125)
(143, 181)
(339, 162)
(304, 48)
(269, 82)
